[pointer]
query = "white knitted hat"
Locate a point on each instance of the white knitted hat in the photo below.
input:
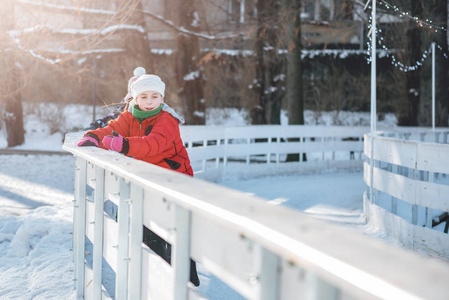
(147, 83)
(139, 71)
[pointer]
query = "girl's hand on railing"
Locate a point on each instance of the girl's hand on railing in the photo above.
(116, 142)
(88, 140)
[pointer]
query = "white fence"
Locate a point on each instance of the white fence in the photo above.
(219, 151)
(410, 187)
(260, 251)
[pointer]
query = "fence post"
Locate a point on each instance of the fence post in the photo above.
(135, 251)
(181, 253)
(217, 160)
(121, 285)
(269, 274)
(323, 140)
(414, 206)
(394, 201)
(79, 226)
(248, 141)
(98, 232)
(319, 289)
(333, 140)
(269, 154)
(278, 141)
(429, 211)
(204, 161)
(225, 157)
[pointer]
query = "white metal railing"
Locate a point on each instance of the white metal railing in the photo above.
(409, 186)
(259, 250)
(264, 149)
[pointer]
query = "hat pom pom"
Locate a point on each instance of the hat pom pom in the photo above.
(139, 71)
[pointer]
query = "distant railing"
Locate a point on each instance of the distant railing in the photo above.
(409, 188)
(218, 151)
(259, 250)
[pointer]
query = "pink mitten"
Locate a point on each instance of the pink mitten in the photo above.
(116, 142)
(87, 141)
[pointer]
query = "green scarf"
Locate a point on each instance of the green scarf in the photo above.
(141, 115)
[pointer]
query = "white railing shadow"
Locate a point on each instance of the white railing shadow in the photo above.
(259, 250)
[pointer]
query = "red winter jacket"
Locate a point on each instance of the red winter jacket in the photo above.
(157, 140)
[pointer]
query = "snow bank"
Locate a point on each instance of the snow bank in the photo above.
(35, 255)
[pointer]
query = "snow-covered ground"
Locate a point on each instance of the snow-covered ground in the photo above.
(36, 193)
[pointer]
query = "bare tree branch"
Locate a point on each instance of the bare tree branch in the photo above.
(191, 33)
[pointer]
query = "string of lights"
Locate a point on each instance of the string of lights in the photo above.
(421, 23)
(390, 53)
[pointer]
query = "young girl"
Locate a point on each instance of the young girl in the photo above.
(145, 132)
(150, 133)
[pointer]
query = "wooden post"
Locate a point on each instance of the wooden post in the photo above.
(121, 285)
(181, 253)
(98, 232)
(268, 274)
(319, 289)
(135, 251)
(79, 230)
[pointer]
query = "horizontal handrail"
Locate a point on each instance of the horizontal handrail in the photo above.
(282, 250)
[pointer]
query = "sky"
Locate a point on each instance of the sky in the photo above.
(36, 193)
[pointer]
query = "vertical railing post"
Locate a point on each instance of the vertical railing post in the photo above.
(98, 232)
(225, 151)
(319, 289)
(414, 206)
(269, 154)
(121, 285)
(217, 159)
(75, 201)
(429, 211)
(136, 235)
(361, 152)
(248, 141)
(333, 142)
(80, 225)
(204, 161)
(181, 253)
(278, 141)
(268, 274)
(394, 201)
(323, 140)
(372, 165)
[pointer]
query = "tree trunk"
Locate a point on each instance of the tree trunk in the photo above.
(136, 43)
(441, 65)
(294, 85)
(412, 78)
(13, 118)
(190, 77)
(269, 82)
(11, 83)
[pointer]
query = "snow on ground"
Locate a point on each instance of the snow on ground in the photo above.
(36, 193)
(340, 201)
